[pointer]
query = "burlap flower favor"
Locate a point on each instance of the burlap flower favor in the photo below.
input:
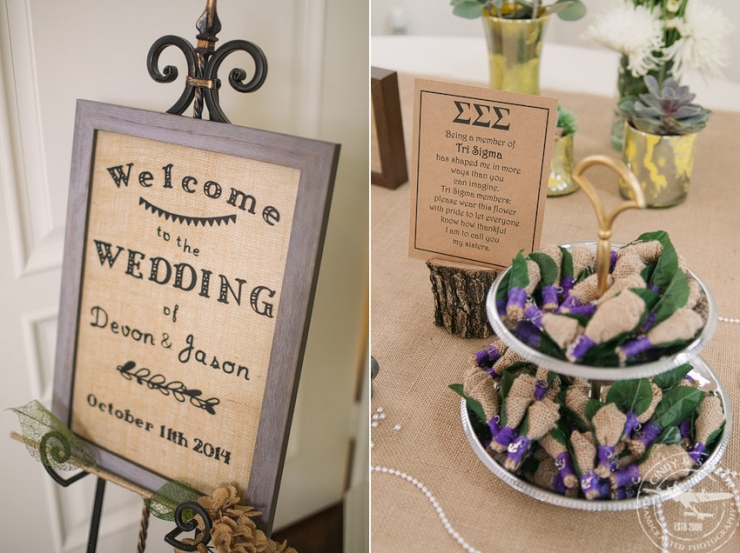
(652, 307)
(546, 429)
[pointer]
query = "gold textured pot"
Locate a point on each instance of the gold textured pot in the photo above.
(561, 168)
(514, 48)
(662, 165)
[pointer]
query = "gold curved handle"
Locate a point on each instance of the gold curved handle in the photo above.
(603, 250)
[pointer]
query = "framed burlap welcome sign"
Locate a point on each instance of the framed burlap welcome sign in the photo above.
(191, 257)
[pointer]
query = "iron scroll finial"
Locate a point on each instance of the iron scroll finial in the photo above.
(204, 61)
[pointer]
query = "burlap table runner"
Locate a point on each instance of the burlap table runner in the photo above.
(418, 360)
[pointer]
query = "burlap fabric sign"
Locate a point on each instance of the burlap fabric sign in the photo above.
(171, 306)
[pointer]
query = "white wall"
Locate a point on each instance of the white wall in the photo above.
(434, 17)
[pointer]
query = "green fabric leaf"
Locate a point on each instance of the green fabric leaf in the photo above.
(667, 265)
(473, 404)
(677, 404)
(63, 450)
(630, 395)
(167, 498)
(567, 413)
(507, 379)
(521, 366)
(582, 319)
(549, 347)
(503, 287)
(670, 436)
(566, 265)
(650, 297)
(592, 407)
(675, 296)
(548, 268)
(713, 437)
(524, 426)
(669, 379)
(480, 427)
(519, 273)
(647, 272)
(559, 436)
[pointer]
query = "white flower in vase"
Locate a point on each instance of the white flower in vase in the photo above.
(635, 31)
(703, 44)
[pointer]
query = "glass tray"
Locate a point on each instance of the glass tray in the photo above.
(601, 373)
(708, 382)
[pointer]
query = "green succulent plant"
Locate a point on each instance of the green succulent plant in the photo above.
(566, 121)
(568, 10)
(664, 109)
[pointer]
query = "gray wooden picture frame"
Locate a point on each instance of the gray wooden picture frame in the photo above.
(317, 162)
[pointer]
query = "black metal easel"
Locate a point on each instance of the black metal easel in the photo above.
(201, 87)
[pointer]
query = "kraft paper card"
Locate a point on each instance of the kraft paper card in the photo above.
(481, 163)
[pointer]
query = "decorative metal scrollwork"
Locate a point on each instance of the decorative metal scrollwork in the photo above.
(204, 61)
(201, 537)
(60, 454)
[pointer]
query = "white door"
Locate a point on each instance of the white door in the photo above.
(55, 51)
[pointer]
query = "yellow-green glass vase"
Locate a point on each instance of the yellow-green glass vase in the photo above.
(561, 180)
(514, 48)
(662, 164)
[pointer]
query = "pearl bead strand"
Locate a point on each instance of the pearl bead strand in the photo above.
(726, 320)
(433, 500)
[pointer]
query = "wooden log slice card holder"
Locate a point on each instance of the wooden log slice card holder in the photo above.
(191, 257)
(460, 297)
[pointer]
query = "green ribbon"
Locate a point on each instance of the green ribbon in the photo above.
(50, 441)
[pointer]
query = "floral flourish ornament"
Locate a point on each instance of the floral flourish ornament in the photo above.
(204, 61)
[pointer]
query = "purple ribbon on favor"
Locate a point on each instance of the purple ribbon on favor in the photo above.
(587, 310)
(549, 295)
(517, 449)
(564, 463)
(487, 356)
(612, 260)
(654, 288)
(582, 344)
(495, 426)
(698, 452)
(606, 457)
(685, 429)
(528, 333)
(566, 285)
(649, 433)
(631, 424)
(626, 476)
(570, 301)
(632, 348)
(540, 389)
(558, 485)
(605, 489)
(501, 307)
(590, 484)
(505, 435)
(534, 315)
(517, 298)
